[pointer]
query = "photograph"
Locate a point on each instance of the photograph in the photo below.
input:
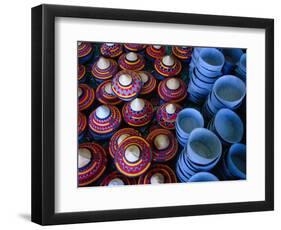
(141, 114)
(159, 114)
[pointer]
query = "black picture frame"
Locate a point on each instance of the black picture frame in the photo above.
(43, 110)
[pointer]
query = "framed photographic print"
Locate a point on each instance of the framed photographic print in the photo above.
(142, 114)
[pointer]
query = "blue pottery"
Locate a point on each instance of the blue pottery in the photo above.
(187, 120)
(203, 146)
(202, 177)
(236, 160)
(211, 59)
(229, 90)
(205, 69)
(186, 167)
(228, 125)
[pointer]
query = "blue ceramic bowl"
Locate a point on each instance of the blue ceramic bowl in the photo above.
(229, 90)
(228, 126)
(236, 160)
(199, 167)
(202, 177)
(187, 120)
(211, 59)
(203, 146)
(215, 105)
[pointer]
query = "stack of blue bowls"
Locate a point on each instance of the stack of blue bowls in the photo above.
(241, 69)
(232, 57)
(228, 92)
(201, 154)
(204, 72)
(187, 120)
(228, 126)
